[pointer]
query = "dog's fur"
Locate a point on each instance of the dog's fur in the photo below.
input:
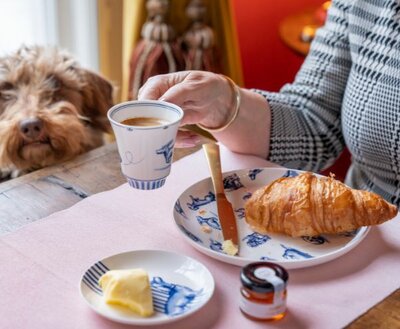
(51, 109)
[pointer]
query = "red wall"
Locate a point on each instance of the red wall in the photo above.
(267, 62)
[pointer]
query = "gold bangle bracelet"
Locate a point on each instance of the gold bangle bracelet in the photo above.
(236, 91)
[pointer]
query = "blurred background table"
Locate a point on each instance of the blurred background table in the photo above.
(297, 30)
(291, 28)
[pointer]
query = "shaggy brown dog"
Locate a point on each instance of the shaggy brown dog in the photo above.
(50, 109)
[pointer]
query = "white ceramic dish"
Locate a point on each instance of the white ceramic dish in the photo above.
(180, 286)
(196, 216)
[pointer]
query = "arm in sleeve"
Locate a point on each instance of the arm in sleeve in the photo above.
(305, 115)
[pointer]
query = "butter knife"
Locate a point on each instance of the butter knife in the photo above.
(226, 215)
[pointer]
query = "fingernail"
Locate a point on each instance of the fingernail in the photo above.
(195, 139)
(190, 142)
(186, 144)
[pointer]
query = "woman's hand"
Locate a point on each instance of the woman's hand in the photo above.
(205, 97)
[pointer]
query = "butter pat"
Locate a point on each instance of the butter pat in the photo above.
(229, 248)
(130, 288)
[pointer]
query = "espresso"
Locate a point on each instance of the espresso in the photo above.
(144, 121)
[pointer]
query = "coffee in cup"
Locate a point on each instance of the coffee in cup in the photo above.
(144, 121)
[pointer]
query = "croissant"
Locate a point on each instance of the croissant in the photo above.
(307, 205)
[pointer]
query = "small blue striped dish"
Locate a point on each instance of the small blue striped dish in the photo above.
(180, 285)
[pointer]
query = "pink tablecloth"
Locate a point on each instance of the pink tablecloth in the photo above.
(42, 263)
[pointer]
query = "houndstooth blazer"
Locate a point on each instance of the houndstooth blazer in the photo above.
(346, 93)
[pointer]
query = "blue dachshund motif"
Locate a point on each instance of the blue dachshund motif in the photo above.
(255, 239)
(215, 245)
(291, 173)
(179, 209)
(317, 240)
(247, 196)
(292, 253)
(232, 182)
(266, 258)
(172, 299)
(197, 202)
(167, 151)
(349, 234)
(210, 221)
(240, 213)
(253, 173)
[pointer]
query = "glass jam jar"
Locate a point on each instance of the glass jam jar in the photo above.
(263, 291)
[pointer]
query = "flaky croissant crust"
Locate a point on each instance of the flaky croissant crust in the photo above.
(308, 205)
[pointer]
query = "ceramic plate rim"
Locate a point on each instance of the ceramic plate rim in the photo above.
(148, 321)
(289, 264)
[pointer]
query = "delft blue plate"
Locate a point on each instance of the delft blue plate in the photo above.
(196, 217)
(180, 286)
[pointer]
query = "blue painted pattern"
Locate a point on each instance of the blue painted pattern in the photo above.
(178, 208)
(349, 234)
(266, 258)
(232, 182)
(253, 173)
(209, 221)
(240, 213)
(291, 173)
(247, 196)
(167, 151)
(317, 240)
(92, 276)
(215, 245)
(292, 253)
(197, 202)
(172, 299)
(255, 239)
(130, 159)
(146, 184)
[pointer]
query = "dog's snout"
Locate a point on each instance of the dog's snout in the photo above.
(31, 127)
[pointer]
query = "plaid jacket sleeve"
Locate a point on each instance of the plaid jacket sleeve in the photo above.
(306, 114)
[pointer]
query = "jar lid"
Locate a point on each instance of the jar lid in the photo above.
(264, 277)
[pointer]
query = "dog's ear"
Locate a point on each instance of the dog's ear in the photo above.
(98, 98)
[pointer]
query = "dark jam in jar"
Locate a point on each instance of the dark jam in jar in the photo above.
(263, 291)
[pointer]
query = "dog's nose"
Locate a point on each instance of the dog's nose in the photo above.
(31, 127)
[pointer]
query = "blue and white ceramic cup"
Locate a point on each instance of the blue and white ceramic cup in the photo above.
(145, 151)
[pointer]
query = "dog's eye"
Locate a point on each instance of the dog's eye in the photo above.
(6, 96)
(6, 91)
